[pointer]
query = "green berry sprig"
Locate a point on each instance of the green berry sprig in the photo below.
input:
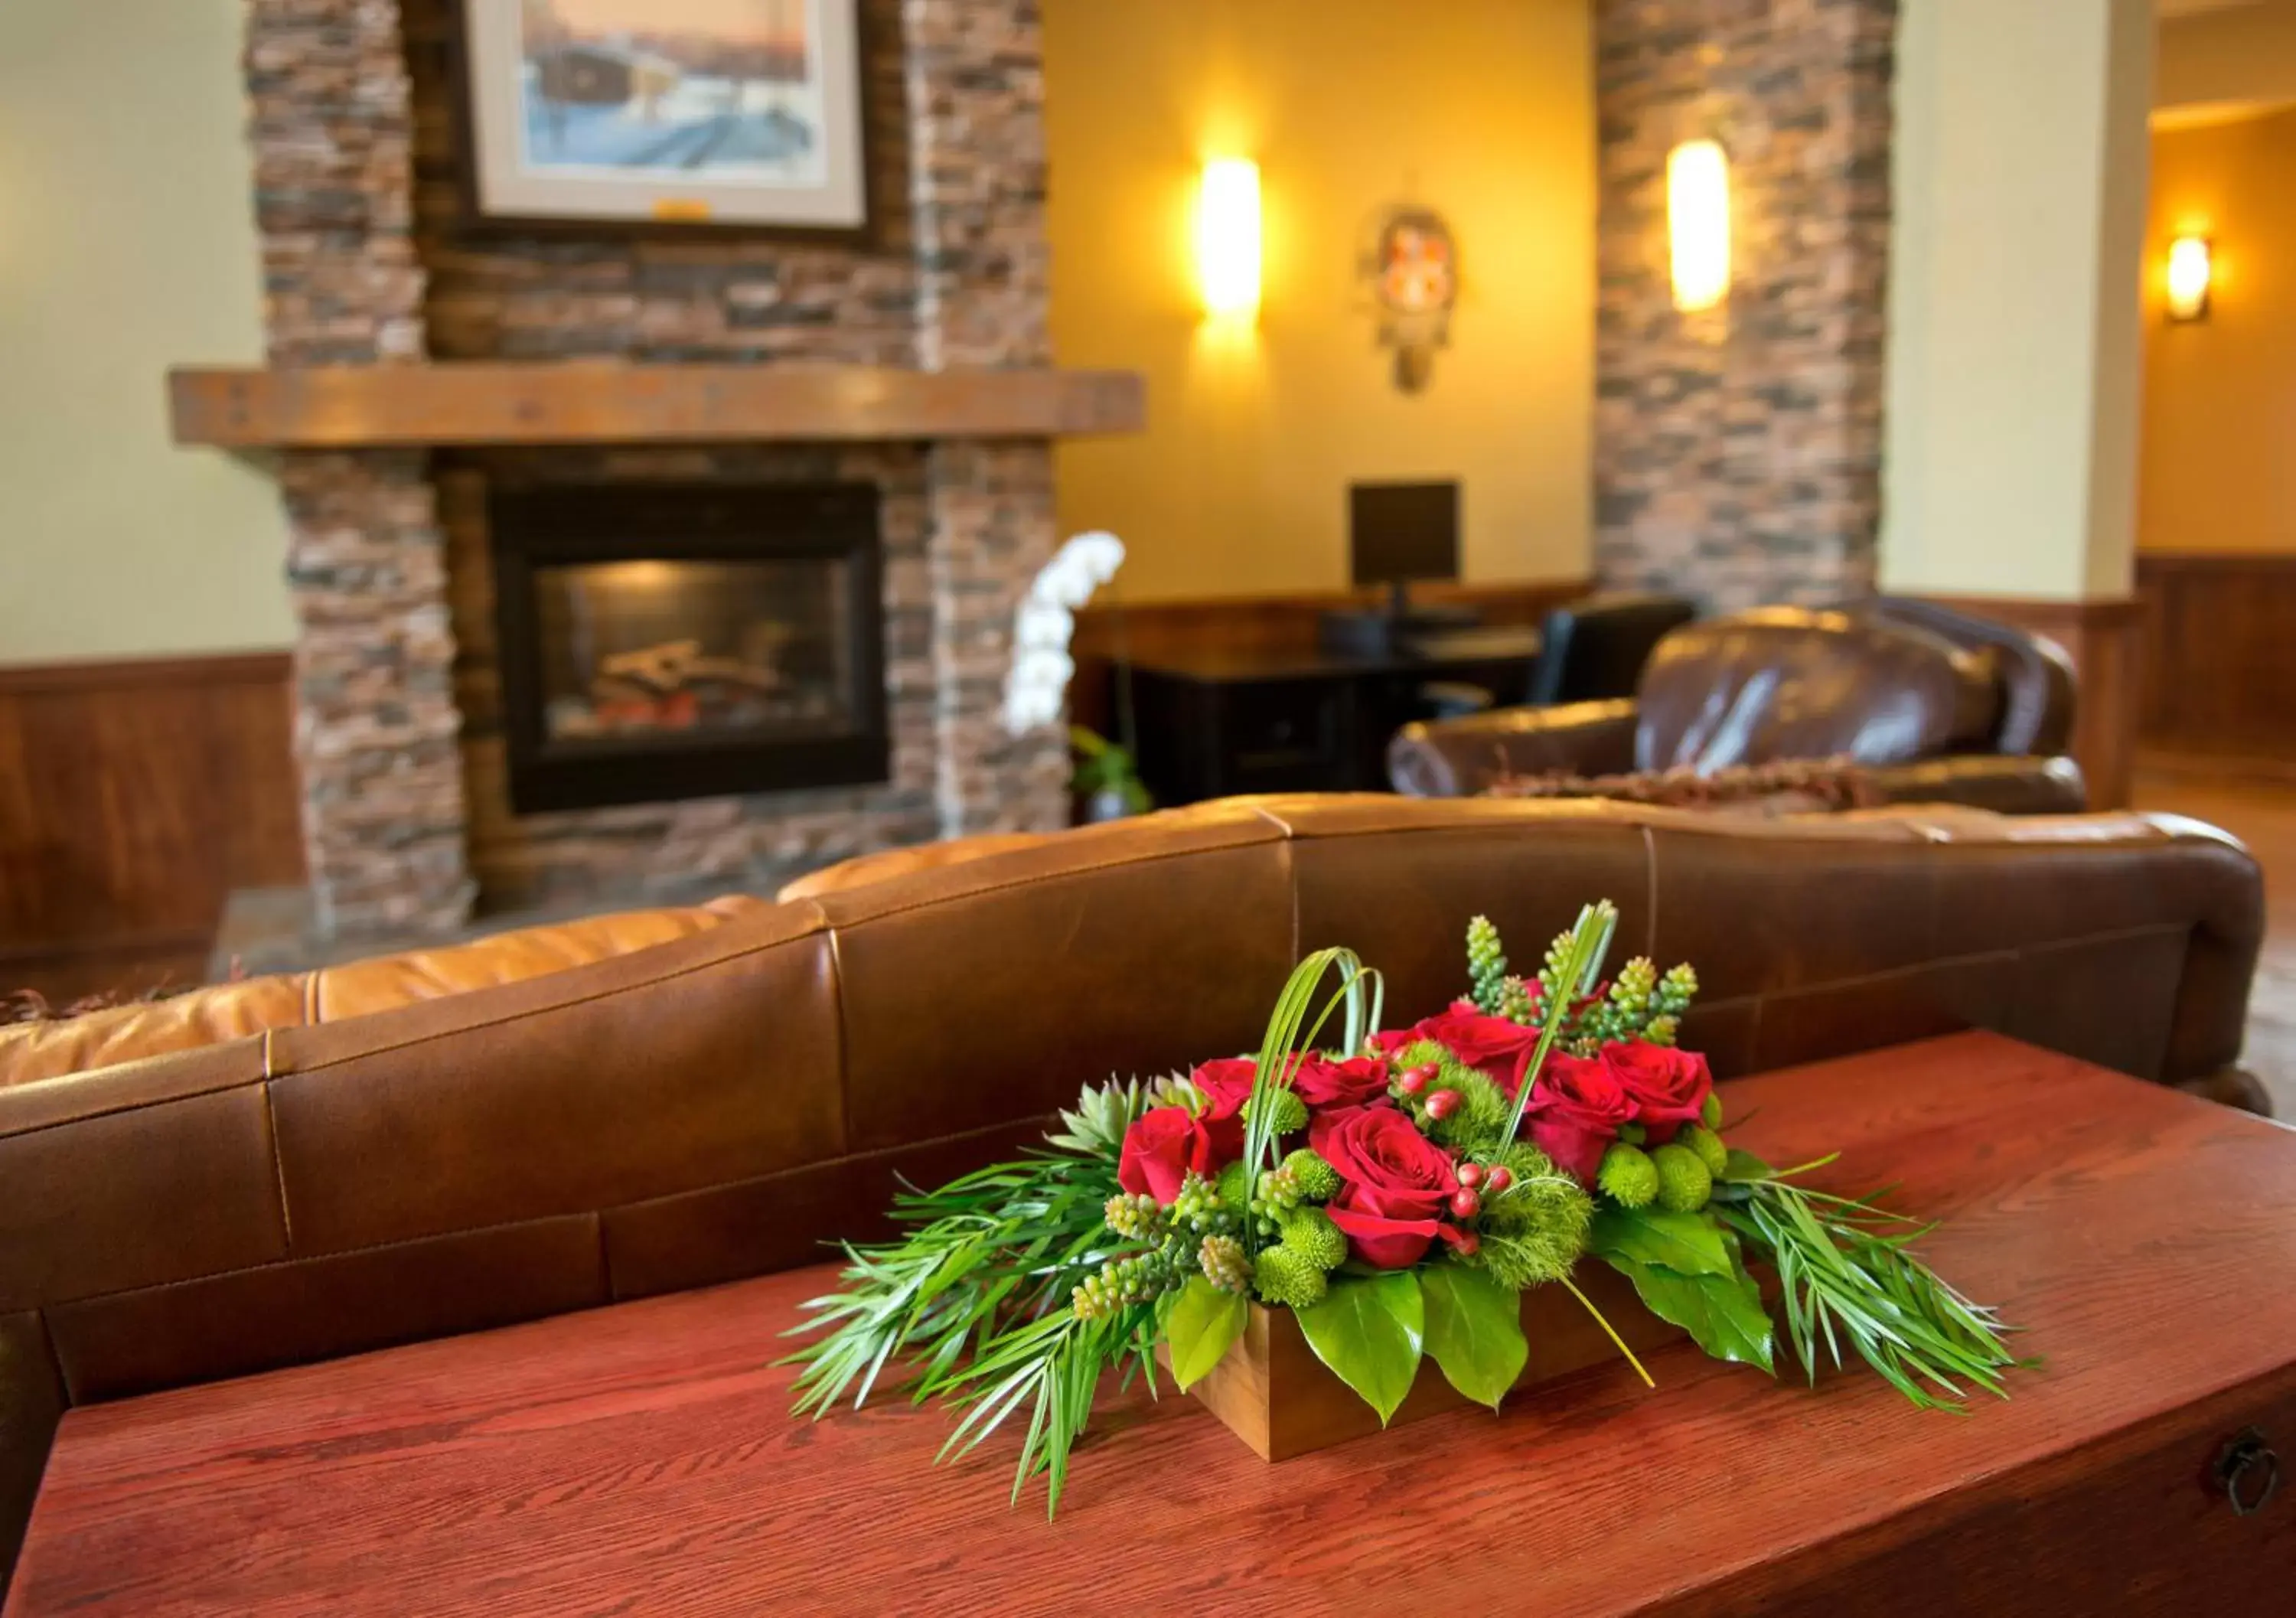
(1223, 1261)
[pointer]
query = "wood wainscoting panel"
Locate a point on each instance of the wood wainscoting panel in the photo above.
(2219, 654)
(2102, 638)
(134, 796)
(1109, 631)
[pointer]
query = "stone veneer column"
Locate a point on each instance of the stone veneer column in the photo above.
(1737, 454)
(382, 810)
(975, 76)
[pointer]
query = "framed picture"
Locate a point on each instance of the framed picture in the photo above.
(738, 115)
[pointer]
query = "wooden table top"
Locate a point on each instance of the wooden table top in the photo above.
(641, 1459)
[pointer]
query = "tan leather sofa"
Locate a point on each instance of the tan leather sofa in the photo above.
(276, 1172)
(1939, 706)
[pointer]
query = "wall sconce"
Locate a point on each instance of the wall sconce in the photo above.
(2190, 270)
(1698, 223)
(1227, 238)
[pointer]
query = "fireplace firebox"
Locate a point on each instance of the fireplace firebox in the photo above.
(662, 641)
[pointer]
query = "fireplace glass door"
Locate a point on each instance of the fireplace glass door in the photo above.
(665, 641)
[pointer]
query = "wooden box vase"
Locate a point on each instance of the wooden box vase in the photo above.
(1276, 1396)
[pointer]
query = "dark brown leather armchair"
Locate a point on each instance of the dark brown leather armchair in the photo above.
(1936, 705)
(266, 1173)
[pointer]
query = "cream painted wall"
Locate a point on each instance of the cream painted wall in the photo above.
(2015, 342)
(1481, 108)
(126, 245)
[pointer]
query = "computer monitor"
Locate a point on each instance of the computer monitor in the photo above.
(1397, 534)
(1401, 532)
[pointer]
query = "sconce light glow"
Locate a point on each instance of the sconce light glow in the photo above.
(2189, 272)
(1698, 223)
(1228, 237)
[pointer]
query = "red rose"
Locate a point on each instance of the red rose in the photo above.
(1160, 1149)
(1396, 1183)
(1226, 1084)
(1358, 1081)
(1496, 1046)
(1668, 1087)
(1575, 1112)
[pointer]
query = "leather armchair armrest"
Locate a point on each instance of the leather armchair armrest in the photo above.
(1986, 781)
(1459, 758)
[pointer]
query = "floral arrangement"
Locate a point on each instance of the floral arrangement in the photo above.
(1397, 1193)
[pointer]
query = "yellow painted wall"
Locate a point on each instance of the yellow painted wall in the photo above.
(2244, 52)
(1480, 109)
(126, 245)
(2218, 472)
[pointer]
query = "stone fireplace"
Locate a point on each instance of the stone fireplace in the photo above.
(554, 664)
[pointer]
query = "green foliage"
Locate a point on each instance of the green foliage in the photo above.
(1709, 1111)
(1722, 1313)
(1103, 1114)
(1744, 1168)
(1846, 1263)
(1534, 1231)
(1474, 1330)
(1178, 1091)
(1317, 1180)
(1291, 1031)
(1688, 1244)
(1709, 1147)
(1283, 1275)
(1684, 1184)
(1140, 1278)
(1487, 966)
(1368, 1332)
(1098, 765)
(1519, 1262)
(1201, 1208)
(1628, 1177)
(1287, 1114)
(989, 1265)
(1201, 1323)
(1310, 1233)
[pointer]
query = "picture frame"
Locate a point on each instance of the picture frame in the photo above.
(681, 118)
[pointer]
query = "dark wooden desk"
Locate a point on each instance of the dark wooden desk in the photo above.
(1215, 723)
(641, 1459)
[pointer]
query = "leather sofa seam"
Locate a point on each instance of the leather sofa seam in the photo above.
(1015, 883)
(278, 1163)
(987, 1129)
(821, 928)
(593, 1216)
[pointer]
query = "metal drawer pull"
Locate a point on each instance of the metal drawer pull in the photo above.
(2248, 1472)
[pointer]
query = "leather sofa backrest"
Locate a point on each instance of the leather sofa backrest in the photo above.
(721, 1104)
(2037, 686)
(1794, 682)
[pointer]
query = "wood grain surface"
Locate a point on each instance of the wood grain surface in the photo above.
(348, 406)
(641, 1459)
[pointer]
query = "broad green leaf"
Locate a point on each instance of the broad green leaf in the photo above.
(1688, 1244)
(1723, 1314)
(1201, 1326)
(1367, 1331)
(1474, 1331)
(1743, 1167)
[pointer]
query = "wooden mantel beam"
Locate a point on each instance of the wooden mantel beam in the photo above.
(374, 406)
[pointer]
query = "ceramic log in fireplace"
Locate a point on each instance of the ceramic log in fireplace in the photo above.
(663, 641)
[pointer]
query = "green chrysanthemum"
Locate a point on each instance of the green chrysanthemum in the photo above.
(1317, 1180)
(1290, 1111)
(1629, 1176)
(1534, 1231)
(1281, 1276)
(1710, 1113)
(1708, 1146)
(1684, 1184)
(1233, 1186)
(1310, 1233)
